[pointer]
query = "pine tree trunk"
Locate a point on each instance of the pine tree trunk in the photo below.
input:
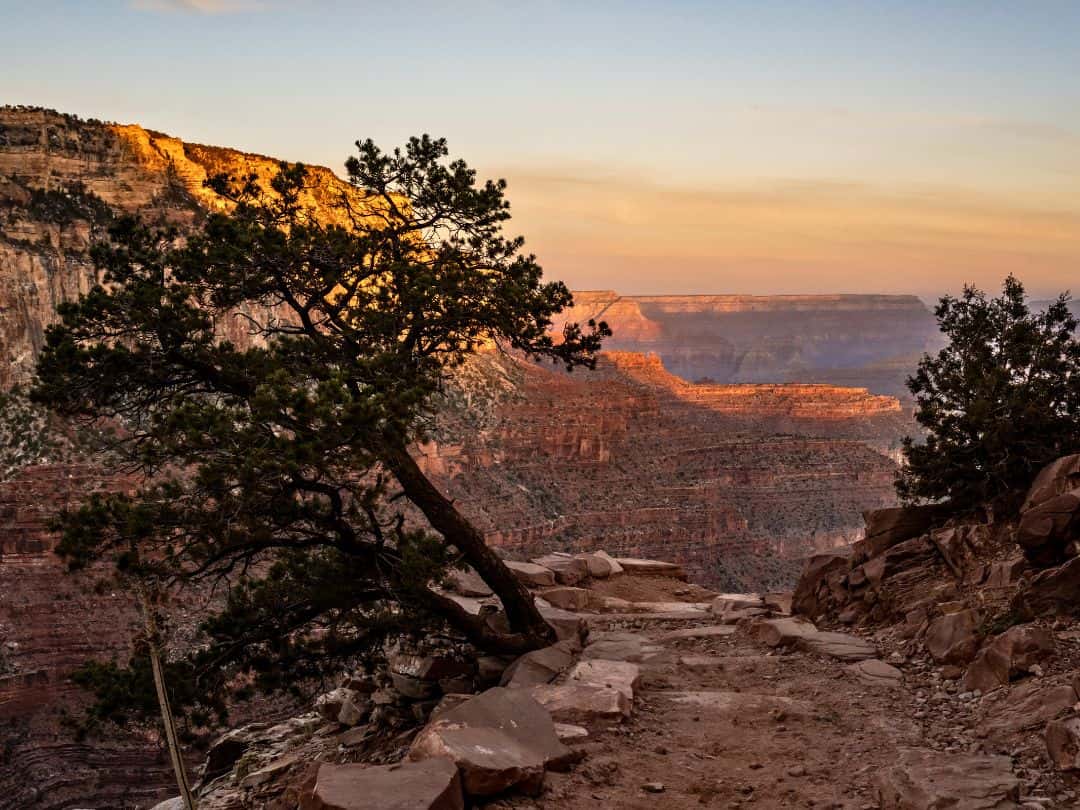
(167, 720)
(521, 610)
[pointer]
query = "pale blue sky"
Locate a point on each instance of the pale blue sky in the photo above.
(676, 147)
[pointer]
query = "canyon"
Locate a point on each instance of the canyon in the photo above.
(738, 478)
(868, 341)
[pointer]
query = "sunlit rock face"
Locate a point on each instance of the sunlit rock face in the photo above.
(869, 341)
(44, 245)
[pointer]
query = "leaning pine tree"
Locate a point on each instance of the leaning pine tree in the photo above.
(998, 403)
(282, 470)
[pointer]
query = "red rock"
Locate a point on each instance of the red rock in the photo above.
(501, 739)
(539, 666)
(656, 568)
(1012, 653)
(533, 575)
(431, 785)
(780, 632)
(874, 672)
(622, 676)
(1063, 743)
(1055, 478)
(582, 703)
(568, 570)
(841, 646)
(567, 598)
(953, 638)
(932, 780)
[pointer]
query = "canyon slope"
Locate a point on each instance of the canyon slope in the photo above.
(870, 341)
(736, 482)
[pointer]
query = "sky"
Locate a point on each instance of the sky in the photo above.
(889, 146)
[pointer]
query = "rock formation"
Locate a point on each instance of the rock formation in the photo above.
(870, 341)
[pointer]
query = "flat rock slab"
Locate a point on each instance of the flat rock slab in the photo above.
(874, 672)
(728, 602)
(566, 597)
(468, 583)
(620, 675)
(568, 732)
(667, 616)
(536, 576)
(539, 666)
(725, 702)
(621, 647)
(655, 568)
(580, 703)
(430, 785)
(732, 663)
(930, 780)
(709, 631)
(841, 646)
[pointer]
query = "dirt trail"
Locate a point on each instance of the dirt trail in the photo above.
(725, 722)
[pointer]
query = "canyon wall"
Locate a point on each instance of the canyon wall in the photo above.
(870, 341)
(736, 484)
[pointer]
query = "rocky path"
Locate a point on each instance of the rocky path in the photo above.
(722, 719)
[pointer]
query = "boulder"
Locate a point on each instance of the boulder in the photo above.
(535, 576)
(430, 785)
(874, 672)
(619, 675)
(1047, 532)
(1005, 573)
(467, 583)
(779, 602)
(1063, 743)
(1054, 479)
(568, 626)
(817, 584)
(568, 570)
(886, 528)
(581, 703)
(953, 638)
(737, 604)
(1011, 654)
(616, 568)
(933, 780)
(1053, 592)
(780, 632)
(842, 646)
(1027, 705)
(599, 565)
(228, 748)
(651, 568)
(539, 666)
(567, 598)
(500, 739)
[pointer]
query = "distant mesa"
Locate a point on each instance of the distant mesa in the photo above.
(868, 341)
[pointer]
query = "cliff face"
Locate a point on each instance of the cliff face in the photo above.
(62, 178)
(869, 341)
(735, 484)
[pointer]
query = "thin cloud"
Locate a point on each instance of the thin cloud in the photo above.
(199, 6)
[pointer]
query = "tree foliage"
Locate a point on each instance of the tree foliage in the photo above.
(1000, 401)
(276, 464)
